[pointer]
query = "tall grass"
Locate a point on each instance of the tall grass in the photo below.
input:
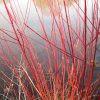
(64, 68)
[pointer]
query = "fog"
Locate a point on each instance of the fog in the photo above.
(23, 13)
